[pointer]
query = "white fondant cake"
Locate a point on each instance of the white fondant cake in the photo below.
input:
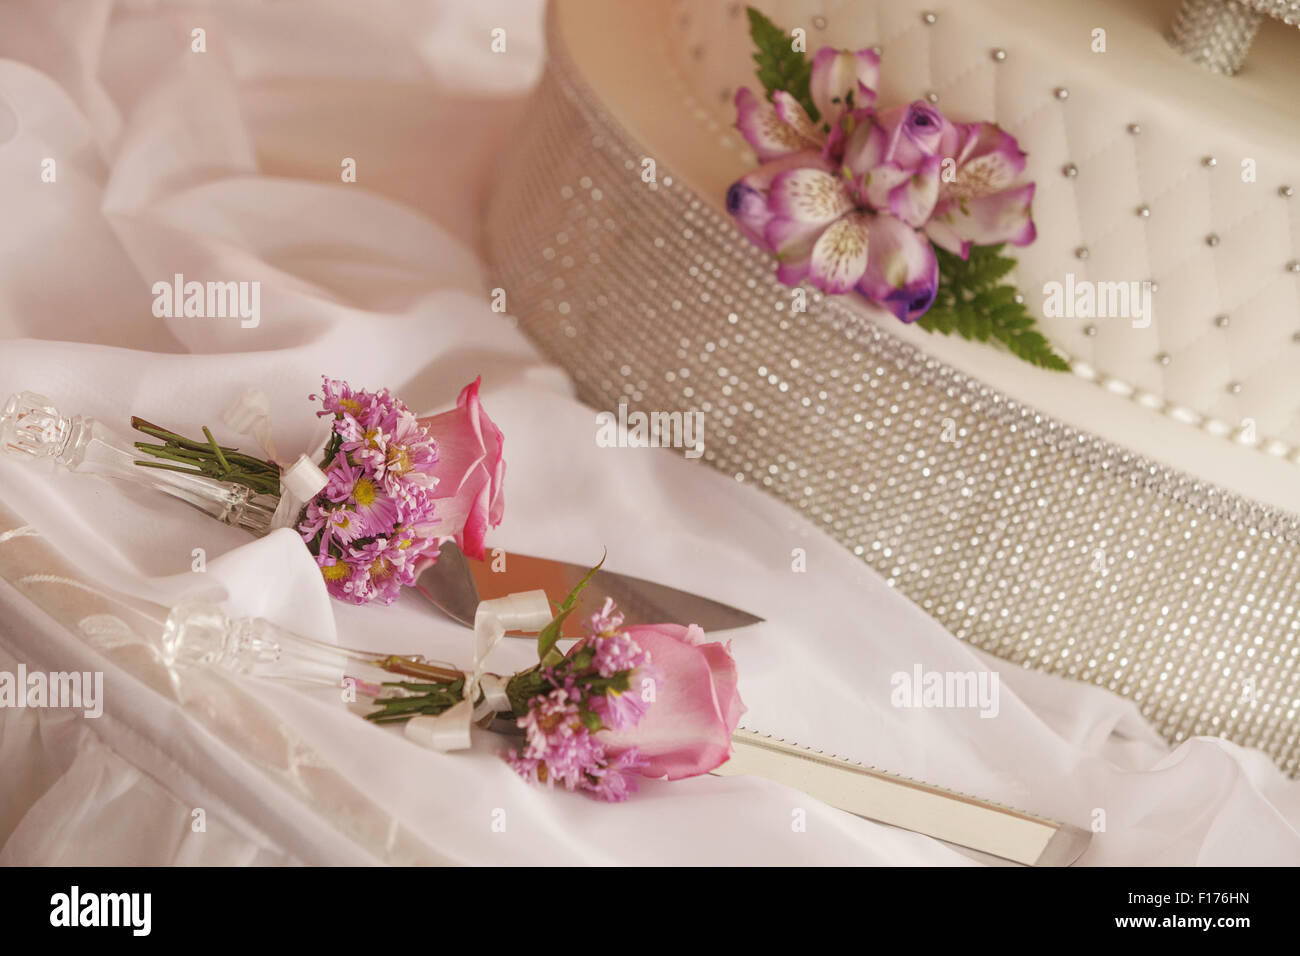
(1033, 513)
(1148, 167)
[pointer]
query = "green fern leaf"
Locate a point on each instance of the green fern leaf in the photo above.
(973, 301)
(780, 65)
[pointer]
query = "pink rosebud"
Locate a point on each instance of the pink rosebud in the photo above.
(469, 496)
(696, 704)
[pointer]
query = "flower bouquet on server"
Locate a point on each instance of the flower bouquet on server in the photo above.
(901, 204)
(372, 507)
(623, 702)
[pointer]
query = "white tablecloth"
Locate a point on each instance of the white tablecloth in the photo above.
(226, 165)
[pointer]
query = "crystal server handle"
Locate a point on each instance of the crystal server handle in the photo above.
(31, 426)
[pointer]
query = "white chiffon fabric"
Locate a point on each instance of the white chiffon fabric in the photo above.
(225, 165)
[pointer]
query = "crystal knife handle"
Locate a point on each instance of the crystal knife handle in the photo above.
(198, 633)
(31, 426)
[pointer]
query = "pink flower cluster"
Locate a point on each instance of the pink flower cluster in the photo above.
(373, 521)
(598, 685)
(855, 199)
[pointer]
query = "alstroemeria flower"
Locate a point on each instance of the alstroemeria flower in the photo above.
(982, 205)
(902, 136)
(860, 200)
(841, 81)
(902, 271)
(822, 231)
(469, 496)
(687, 729)
(747, 198)
(893, 160)
(768, 132)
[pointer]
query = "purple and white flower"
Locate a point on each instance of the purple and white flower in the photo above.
(982, 204)
(855, 201)
(841, 81)
(824, 228)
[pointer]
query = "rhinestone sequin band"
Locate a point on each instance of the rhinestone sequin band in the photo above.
(1028, 539)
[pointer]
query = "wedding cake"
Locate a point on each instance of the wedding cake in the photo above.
(1127, 522)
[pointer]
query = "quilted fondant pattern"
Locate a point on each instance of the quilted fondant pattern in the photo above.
(1213, 244)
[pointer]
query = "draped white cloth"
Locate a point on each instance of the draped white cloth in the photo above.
(225, 165)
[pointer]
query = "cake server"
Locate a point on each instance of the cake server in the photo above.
(456, 584)
(897, 801)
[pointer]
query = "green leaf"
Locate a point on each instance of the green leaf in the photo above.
(549, 636)
(780, 65)
(591, 720)
(206, 458)
(973, 301)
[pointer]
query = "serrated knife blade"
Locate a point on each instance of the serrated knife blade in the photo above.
(921, 807)
(457, 583)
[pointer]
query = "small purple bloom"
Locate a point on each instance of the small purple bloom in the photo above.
(616, 780)
(559, 747)
(607, 621)
(334, 523)
(623, 710)
(616, 652)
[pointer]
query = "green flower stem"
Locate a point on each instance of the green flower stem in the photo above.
(430, 699)
(245, 463)
(523, 687)
(383, 717)
(157, 431)
(166, 467)
(207, 458)
(260, 485)
(216, 449)
(251, 463)
(170, 451)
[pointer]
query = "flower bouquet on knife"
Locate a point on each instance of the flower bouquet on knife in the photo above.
(373, 506)
(656, 701)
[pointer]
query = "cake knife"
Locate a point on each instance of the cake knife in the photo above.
(456, 584)
(921, 807)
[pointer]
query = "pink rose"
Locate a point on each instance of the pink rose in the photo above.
(687, 729)
(470, 472)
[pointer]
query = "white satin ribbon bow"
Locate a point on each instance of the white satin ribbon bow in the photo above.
(527, 611)
(300, 481)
